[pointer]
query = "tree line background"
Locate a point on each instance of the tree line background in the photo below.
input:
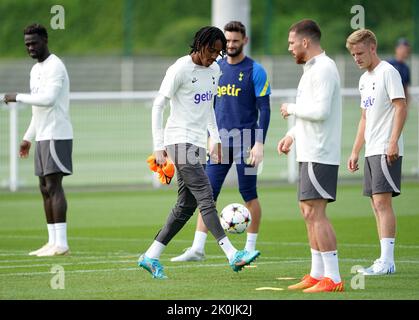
(166, 27)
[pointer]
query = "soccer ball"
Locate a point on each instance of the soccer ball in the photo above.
(235, 218)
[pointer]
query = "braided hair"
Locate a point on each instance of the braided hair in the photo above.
(208, 36)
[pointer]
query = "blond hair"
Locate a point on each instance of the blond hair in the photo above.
(361, 36)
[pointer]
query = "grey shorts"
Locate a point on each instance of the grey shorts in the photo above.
(379, 177)
(317, 181)
(53, 156)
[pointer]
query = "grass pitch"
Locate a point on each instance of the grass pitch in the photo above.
(108, 230)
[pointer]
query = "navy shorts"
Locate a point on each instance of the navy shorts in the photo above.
(246, 174)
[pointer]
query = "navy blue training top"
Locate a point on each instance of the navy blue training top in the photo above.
(242, 100)
(403, 70)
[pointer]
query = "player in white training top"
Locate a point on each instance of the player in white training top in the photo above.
(191, 84)
(317, 135)
(383, 114)
(51, 128)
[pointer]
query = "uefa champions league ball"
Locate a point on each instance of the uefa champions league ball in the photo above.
(235, 218)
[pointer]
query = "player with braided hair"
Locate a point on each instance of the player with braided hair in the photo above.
(190, 85)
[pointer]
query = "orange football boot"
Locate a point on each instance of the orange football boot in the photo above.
(168, 169)
(325, 285)
(166, 172)
(306, 282)
(151, 160)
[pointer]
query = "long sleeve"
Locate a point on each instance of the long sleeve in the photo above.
(291, 132)
(157, 122)
(52, 88)
(30, 132)
(320, 108)
(212, 127)
(263, 104)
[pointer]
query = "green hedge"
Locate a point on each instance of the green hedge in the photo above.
(166, 27)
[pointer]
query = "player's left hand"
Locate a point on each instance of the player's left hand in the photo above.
(10, 97)
(284, 110)
(215, 153)
(24, 149)
(392, 153)
(161, 156)
(256, 155)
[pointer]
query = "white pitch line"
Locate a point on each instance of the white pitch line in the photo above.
(5, 252)
(88, 238)
(133, 260)
(65, 264)
(188, 266)
(279, 243)
(72, 271)
(48, 259)
(131, 269)
(80, 254)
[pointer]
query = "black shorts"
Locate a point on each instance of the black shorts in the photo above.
(53, 156)
(317, 181)
(379, 177)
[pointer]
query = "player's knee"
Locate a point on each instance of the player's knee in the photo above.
(184, 212)
(215, 195)
(248, 194)
(207, 206)
(308, 212)
(53, 188)
(43, 189)
(381, 205)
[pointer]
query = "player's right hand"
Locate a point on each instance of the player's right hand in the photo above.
(24, 149)
(9, 97)
(160, 156)
(353, 163)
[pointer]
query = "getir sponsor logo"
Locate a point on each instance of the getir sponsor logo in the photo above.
(229, 90)
(200, 97)
(369, 102)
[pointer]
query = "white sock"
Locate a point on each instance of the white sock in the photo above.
(51, 233)
(155, 250)
(199, 241)
(331, 265)
(387, 249)
(227, 247)
(317, 265)
(251, 241)
(61, 234)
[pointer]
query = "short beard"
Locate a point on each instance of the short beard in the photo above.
(236, 53)
(300, 59)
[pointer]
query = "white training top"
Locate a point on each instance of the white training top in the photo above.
(50, 94)
(318, 112)
(378, 88)
(191, 89)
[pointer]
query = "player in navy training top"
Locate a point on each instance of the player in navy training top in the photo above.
(242, 110)
(402, 53)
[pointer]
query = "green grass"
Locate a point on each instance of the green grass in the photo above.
(107, 231)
